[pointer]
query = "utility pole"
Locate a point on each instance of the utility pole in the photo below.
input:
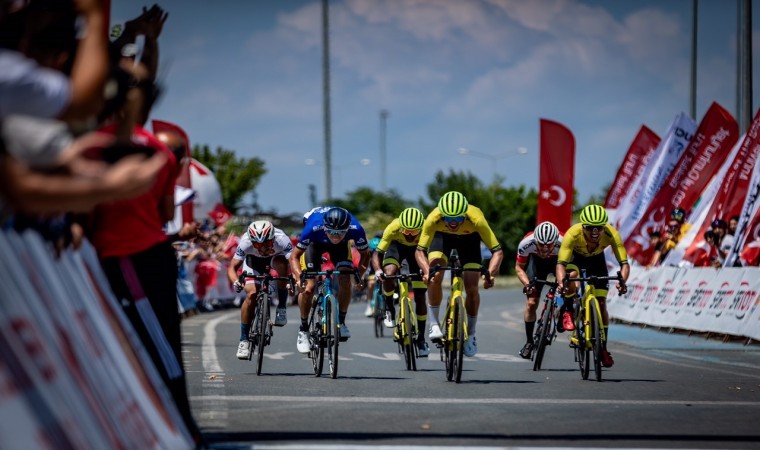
(693, 86)
(326, 97)
(383, 127)
(744, 59)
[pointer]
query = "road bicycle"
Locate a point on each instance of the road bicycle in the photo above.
(454, 327)
(324, 324)
(588, 339)
(261, 333)
(406, 332)
(546, 327)
(378, 311)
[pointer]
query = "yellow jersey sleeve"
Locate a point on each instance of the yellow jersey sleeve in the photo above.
(575, 242)
(474, 222)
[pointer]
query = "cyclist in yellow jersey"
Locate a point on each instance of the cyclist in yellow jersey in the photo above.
(399, 243)
(583, 245)
(455, 224)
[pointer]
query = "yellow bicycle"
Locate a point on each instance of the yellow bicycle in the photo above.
(589, 335)
(406, 332)
(455, 322)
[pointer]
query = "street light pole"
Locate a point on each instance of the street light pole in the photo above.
(326, 97)
(383, 129)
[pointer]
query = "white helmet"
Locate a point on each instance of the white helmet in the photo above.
(546, 233)
(261, 231)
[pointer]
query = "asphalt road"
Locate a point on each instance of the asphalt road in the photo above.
(664, 391)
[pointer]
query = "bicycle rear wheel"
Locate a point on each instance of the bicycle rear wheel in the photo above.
(461, 316)
(596, 339)
(541, 336)
(332, 334)
(317, 350)
(262, 317)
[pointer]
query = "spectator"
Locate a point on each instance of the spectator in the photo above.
(655, 240)
(674, 232)
(733, 222)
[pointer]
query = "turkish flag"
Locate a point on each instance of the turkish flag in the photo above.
(220, 215)
(556, 174)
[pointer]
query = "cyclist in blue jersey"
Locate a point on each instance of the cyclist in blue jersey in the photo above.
(328, 229)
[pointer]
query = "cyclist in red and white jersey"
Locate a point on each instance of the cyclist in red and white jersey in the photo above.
(536, 258)
(261, 248)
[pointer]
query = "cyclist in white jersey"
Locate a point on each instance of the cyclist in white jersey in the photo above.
(261, 249)
(536, 258)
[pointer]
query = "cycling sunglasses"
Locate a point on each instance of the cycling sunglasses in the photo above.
(265, 244)
(336, 232)
(593, 227)
(459, 219)
(406, 232)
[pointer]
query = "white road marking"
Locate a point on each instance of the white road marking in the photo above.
(472, 401)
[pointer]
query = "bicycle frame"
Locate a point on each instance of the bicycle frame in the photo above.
(455, 324)
(261, 331)
(589, 331)
(546, 330)
(406, 325)
(325, 309)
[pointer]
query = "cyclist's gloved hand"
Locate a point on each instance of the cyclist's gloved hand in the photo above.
(527, 290)
(622, 288)
(379, 275)
(238, 286)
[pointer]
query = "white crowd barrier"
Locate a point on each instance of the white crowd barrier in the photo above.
(723, 301)
(73, 373)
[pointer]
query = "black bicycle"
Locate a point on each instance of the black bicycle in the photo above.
(261, 328)
(546, 327)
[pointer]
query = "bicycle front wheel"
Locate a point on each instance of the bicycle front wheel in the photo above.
(541, 336)
(405, 336)
(317, 350)
(596, 338)
(461, 316)
(582, 349)
(262, 319)
(332, 330)
(378, 316)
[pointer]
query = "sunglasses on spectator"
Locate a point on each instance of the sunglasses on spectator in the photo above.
(593, 227)
(336, 232)
(406, 232)
(459, 219)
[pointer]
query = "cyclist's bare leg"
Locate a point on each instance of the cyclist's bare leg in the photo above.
(531, 305)
(304, 302)
(344, 293)
(472, 299)
(389, 287)
(435, 291)
(247, 308)
(280, 265)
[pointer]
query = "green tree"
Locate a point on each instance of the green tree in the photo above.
(237, 176)
(511, 212)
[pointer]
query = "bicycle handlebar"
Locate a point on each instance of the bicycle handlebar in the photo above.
(306, 275)
(267, 277)
(439, 268)
(551, 284)
(593, 278)
(402, 277)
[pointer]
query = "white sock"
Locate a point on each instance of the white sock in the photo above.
(433, 312)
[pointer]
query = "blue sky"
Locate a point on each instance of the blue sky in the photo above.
(478, 74)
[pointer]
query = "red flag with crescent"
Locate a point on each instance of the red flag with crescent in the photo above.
(556, 174)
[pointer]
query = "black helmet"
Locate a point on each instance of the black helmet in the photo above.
(337, 219)
(719, 223)
(678, 214)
